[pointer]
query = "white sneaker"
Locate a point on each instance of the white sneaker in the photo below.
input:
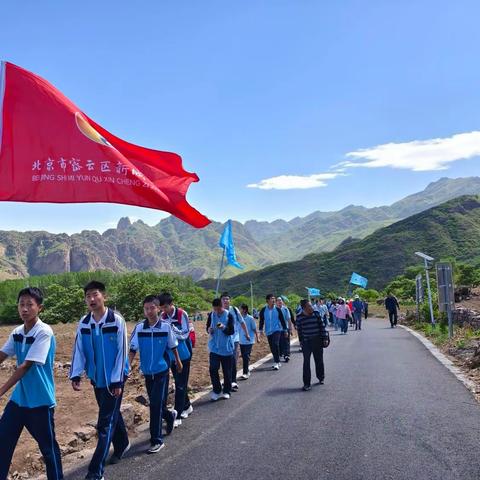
(226, 396)
(245, 376)
(215, 396)
(187, 412)
(177, 423)
(276, 366)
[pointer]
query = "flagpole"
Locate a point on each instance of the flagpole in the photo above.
(251, 297)
(220, 273)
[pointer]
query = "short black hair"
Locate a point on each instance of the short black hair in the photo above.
(33, 292)
(151, 299)
(244, 306)
(304, 302)
(269, 296)
(165, 298)
(95, 285)
(224, 294)
(217, 302)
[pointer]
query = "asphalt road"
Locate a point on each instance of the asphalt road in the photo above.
(388, 411)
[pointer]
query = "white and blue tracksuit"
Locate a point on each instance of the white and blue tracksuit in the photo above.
(155, 343)
(33, 399)
(101, 351)
(178, 320)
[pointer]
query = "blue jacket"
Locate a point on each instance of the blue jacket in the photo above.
(154, 344)
(103, 358)
(221, 340)
(273, 320)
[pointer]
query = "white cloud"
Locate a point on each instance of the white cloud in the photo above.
(290, 182)
(418, 155)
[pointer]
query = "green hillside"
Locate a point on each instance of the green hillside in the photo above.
(450, 230)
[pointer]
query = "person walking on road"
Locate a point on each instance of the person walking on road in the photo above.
(357, 312)
(392, 306)
(313, 338)
(221, 329)
(180, 325)
(285, 338)
(101, 351)
(239, 324)
(246, 345)
(271, 317)
(343, 313)
(155, 339)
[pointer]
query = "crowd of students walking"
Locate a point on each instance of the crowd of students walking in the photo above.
(164, 341)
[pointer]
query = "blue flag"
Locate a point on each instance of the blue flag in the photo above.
(313, 292)
(357, 279)
(226, 242)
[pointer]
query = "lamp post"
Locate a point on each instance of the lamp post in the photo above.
(426, 259)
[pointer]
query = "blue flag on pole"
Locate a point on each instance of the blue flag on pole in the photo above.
(313, 292)
(226, 242)
(357, 279)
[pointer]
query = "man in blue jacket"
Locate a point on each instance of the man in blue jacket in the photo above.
(100, 350)
(271, 317)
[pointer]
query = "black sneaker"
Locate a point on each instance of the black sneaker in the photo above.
(321, 382)
(171, 422)
(155, 448)
(306, 388)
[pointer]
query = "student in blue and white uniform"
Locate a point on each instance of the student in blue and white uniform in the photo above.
(155, 340)
(239, 324)
(100, 350)
(285, 338)
(33, 400)
(272, 318)
(220, 327)
(246, 344)
(178, 320)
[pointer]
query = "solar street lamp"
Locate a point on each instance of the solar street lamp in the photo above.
(427, 258)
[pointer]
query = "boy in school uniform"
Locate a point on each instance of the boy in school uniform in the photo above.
(246, 344)
(271, 317)
(33, 401)
(220, 327)
(100, 350)
(181, 328)
(239, 325)
(285, 338)
(154, 340)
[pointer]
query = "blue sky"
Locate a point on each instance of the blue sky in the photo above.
(251, 91)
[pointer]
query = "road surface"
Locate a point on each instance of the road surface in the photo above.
(388, 411)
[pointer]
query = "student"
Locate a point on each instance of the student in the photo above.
(343, 313)
(285, 338)
(221, 329)
(100, 350)
(272, 318)
(246, 344)
(33, 401)
(154, 340)
(239, 324)
(357, 312)
(178, 321)
(312, 336)
(392, 306)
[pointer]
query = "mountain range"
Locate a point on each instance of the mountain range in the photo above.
(450, 230)
(173, 246)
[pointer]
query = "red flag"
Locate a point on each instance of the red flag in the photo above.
(50, 151)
